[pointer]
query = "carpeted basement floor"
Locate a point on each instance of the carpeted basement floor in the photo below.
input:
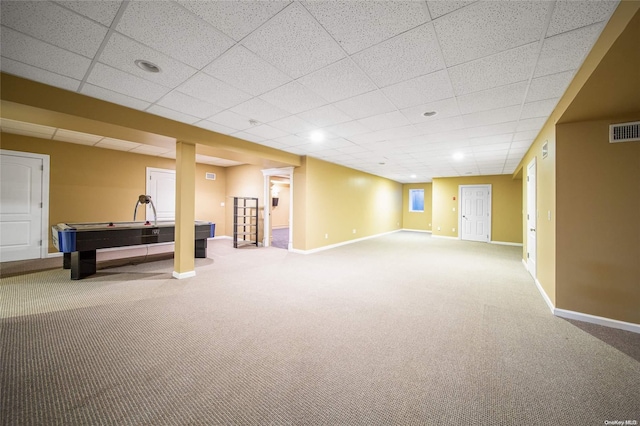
(402, 329)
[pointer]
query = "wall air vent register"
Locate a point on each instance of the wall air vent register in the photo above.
(624, 132)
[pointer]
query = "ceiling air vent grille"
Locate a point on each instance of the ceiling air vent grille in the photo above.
(624, 132)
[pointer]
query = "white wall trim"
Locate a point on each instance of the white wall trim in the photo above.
(222, 237)
(344, 243)
(54, 254)
(579, 316)
(593, 319)
(415, 230)
(506, 243)
(183, 275)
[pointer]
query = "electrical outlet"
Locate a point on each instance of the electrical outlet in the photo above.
(429, 225)
(438, 228)
(354, 231)
(326, 236)
(454, 209)
(222, 204)
(453, 229)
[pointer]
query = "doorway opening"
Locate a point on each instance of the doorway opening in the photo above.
(278, 195)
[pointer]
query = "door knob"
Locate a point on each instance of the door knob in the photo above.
(532, 229)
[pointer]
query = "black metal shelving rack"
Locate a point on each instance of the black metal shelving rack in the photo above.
(245, 221)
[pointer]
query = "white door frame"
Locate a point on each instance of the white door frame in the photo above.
(44, 228)
(268, 173)
(532, 210)
(490, 189)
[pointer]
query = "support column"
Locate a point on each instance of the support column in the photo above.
(184, 263)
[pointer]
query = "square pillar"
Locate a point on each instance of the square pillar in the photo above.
(183, 262)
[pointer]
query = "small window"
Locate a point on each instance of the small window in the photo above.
(416, 200)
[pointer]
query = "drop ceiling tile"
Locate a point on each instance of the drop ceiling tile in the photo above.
(383, 121)
(531, 123)
(10, 66)
(522, 144)
(241, 68)
(265, 131)
(121, 52)
(118, 144)
(550, 86)
(55, 25)
(348, 129)
(26, 129)
(186, 104)
(231, 119)
(125, 84)
(213, 91)
(478, 142)
(486, 28)
(538, 108)
(113, 97)
(439, 8)
(569, 15)
(292, 140)
(260, 110)
(36, 53)
(366, 105)
(403, 57)
(170, 29)
(236, 19)
(293, 97)
(294, 42)
(172, 114)
(100, 11)
(420, 90)
(497, 70)
(566, 51)
(525, 136)
(441, 125)
(248, 137)
(491, 147)
(444, 109)
(293, 124)
(495, 116)
(493, 129)
(325, 116)
(274, 144)
(338, 81)
(358, 25)
(215, 127)
(76, 137)
(499, 97)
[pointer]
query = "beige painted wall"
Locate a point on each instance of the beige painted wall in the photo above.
(506, 206)
(598, 233)
(89, 184)
(245, 181)
(420, 221)
(340, 199)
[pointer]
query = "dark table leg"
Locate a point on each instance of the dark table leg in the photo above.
(201, 248)
(66, 260)
(83, 264)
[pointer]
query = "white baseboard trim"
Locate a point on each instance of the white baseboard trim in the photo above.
(593, 319)
(579, 316)
(182, 275)
(505, 243)
(444, 237)
(416, 230)
(344, 243)
(222, 237)
(56, 254)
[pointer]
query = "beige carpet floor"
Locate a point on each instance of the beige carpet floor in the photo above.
(402, 329)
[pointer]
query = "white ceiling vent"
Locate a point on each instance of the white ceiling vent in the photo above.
(624, 132)
(210, 176)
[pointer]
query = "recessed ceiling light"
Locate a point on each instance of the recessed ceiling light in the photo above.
(147, 66)
(316, 136)
(413, 176)
(458, 156)
(429, 113)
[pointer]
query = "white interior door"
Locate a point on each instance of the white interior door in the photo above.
(21, 204)
(475, 212)
(532, 213)
(161, 185)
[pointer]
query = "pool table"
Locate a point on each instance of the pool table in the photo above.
(79, 241)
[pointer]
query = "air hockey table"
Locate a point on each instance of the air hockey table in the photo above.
(79, 241)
